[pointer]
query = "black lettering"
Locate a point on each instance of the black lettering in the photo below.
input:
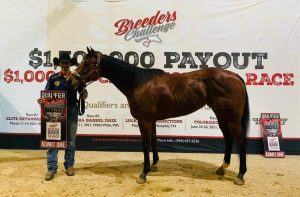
(259, 57)
(47, 54)
(151, 57)
(34, 55)
(79, 53)
(202, 59)
(117, 55)
(216, 60)
(170, 60)
(187, 59)
(235, 60)
(135, 57)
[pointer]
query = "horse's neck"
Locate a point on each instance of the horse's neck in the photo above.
(121, 75)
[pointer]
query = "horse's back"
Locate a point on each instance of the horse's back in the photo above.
(225, 91)
(171, 95)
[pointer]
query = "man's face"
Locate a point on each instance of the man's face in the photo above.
(65, 65)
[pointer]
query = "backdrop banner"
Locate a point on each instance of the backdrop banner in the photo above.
(247, 37)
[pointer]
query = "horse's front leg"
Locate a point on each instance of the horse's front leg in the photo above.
(154, 148)
(145, 129)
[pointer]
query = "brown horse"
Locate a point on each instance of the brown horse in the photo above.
(154, 95)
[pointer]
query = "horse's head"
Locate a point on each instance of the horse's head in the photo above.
(88, 70)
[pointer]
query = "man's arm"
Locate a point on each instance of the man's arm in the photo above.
(48, 85)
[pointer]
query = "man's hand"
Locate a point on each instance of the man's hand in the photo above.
(41, 101)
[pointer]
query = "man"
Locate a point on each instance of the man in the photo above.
(58, 81)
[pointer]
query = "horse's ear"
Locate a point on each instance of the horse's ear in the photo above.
(92, 49)
(88, 50)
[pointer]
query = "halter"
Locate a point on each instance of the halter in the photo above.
(81, 105)
(96, 69)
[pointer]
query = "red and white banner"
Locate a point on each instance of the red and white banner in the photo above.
(248, 37)
(272, 134)
(54, 119)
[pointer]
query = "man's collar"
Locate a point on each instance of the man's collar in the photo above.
(62, 75)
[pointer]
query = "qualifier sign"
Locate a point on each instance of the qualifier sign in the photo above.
(272, 134)
(54, 119)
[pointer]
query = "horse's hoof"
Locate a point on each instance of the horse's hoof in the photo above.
(141, 179)
(238, 181)
(153, 168)
(220, 171)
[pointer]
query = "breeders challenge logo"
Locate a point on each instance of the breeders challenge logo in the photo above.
(146, 30)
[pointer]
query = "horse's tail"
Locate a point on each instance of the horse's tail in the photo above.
(246, 112)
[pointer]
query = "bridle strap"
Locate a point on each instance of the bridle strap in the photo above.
(81, 103)
(96, 69)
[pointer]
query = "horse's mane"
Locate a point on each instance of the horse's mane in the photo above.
(126, 75)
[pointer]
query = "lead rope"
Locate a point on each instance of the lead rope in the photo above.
(81, 104)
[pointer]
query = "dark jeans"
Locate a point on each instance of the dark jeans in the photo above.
(72, 122)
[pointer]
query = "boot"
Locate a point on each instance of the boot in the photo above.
(50, 175)
(70, 171)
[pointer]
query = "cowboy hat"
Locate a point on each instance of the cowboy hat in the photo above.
(64, 57)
